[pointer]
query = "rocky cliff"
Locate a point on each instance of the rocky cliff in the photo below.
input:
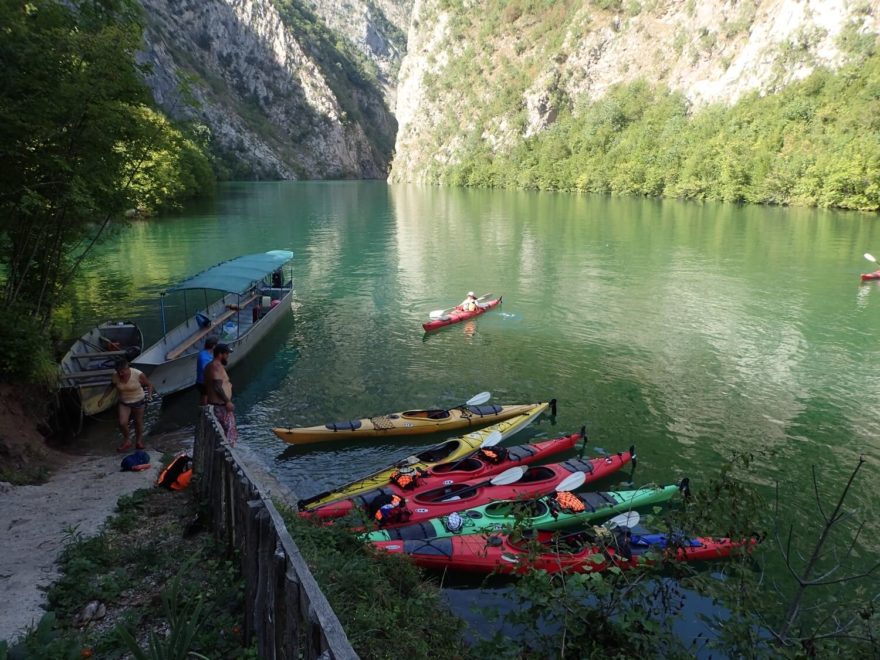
(287, 89)
(336, 88)
(499, 72)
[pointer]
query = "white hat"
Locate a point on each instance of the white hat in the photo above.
(471, 293)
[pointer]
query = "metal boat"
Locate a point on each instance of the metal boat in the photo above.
(86, 368)
(254, 292)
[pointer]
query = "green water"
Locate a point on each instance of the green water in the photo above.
(689, 330)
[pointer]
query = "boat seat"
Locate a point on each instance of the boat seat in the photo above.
(220, 320)
(82, 356)
(79, 375)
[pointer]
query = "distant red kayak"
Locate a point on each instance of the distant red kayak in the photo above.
(871, 276)
(457, 316)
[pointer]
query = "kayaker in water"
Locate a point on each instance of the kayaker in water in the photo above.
(470, 303)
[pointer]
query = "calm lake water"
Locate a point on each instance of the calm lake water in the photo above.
(690, 330)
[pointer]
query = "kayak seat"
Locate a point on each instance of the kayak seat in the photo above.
(366, 500)
(520, 452)
(439, 453)
(483, 411)
(437, 547)
(466, 465)
(595, 501)
(350, 425)
(412, 532)
(578, 465)
(539, 473)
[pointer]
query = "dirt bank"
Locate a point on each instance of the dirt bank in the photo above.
(35, 521)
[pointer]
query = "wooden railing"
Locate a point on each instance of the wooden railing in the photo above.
(286, 612)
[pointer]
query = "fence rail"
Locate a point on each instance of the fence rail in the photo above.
(286, 611)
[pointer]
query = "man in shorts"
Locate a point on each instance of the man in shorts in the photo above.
(205, 356)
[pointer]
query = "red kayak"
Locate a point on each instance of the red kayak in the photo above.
(391, 507)
(484, 464)
(582, 552)
(457, 315)
(871, 276)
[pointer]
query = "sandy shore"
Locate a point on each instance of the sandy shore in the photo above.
(35, 522)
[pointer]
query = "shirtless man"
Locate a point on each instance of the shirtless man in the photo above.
(219, 391)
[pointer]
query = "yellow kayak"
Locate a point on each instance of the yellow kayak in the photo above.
(451, 450)
(411, 422)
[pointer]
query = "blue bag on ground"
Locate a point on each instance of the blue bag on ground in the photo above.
(136, 461)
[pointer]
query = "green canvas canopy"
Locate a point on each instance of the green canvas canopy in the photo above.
(236, 275)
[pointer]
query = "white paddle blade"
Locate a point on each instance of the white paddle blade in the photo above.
(510, 476)
(572, 482)
(492, 439)
(437, 313)
(870, 257)
(628, 519)
(478, 399)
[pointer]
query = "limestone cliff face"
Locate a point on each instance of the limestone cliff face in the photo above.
(287, 90)
(501, 75)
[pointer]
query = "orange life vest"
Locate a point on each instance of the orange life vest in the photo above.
(569, 502)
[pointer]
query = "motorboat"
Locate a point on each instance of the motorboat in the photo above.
(250, 295)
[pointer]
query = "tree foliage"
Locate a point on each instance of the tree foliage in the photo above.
(79, 144)
(815, 143)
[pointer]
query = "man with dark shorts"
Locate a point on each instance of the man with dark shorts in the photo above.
(219, 391)
(204, 357)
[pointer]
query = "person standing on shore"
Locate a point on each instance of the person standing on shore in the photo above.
(130, 384)
(219, 391)
(202, 360)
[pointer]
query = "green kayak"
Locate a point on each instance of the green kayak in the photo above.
(552, 512)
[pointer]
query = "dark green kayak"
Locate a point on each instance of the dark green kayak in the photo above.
(544, 513)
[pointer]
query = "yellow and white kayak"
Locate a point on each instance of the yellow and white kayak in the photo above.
(451, 450)
(411, 422)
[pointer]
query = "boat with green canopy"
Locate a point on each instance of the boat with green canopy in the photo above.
(237, 301)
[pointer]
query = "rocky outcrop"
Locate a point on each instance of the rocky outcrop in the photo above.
(281, 97)
(460, 61)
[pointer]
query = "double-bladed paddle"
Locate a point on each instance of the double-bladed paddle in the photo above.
(439, 313)
(506, 478)
(629, 519)
(476, 400)
(491, 440)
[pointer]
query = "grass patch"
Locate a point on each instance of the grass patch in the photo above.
(157, 579)
(387, 608)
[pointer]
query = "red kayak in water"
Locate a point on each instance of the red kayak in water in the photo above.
(485, 463)
(583, 552)
(516, 482)
(871, 276)
(457, 315)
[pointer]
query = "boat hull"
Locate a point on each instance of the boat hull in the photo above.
(450, 450)
(458, 316)
(414, 422)
(867, 277)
